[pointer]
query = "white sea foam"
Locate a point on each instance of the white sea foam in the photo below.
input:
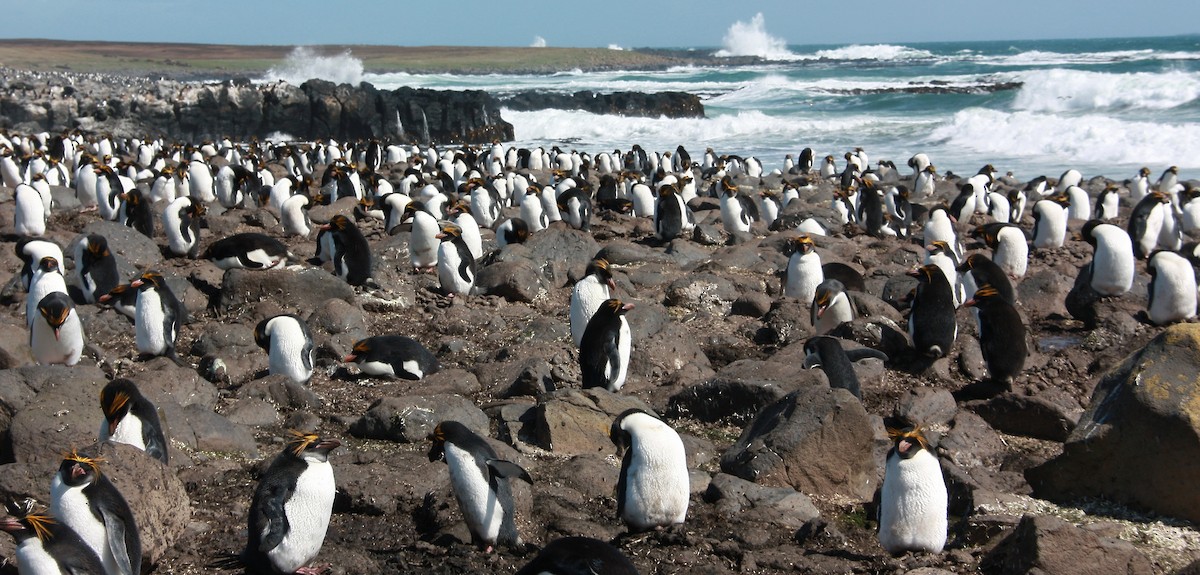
(303, 64)
(873, 52)
(752, 39)
(538, 42)
(1061, 90)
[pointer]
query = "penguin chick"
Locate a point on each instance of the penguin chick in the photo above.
(288, 344)
(579, 556)
(913, 500)
(827, 353)
(45, 545)
(292, 503)
(480, 482)
(393, 356)
(131, 419)
(605, 346)
(86, 501)
(653, 488)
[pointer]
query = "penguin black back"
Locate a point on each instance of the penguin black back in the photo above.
(138, 213)
(121, 399)
(985, 272)
(601, 358)
(1001, 335)
(97, 266)
(106, 504)
(827, 353)
(931, 323)
(352, 253)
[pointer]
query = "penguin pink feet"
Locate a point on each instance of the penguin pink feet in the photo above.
(314, 569)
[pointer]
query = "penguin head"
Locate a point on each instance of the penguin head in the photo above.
(803, 244)
(907, 442)
(262, 332)
(310, 446)
(195, 207)
(827, 291)
(449, 232)
(115, 293)
(1144, 172)
(55, 308)
(926, 273)
(338, 223)
(621, 431)
(970, 263)
(1086, 233)
(48, 264)
(27, 519)
(97, 246)
(410, 211)
(448, 432)
(115, 401)
(77, 470)
(149, 280)
(600, 268)
(728, 188)
(985, 294)
(614, 307)
(813, 348)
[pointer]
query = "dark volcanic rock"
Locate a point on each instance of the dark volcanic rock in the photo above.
(295, 290)
(1050, 545)
(411, 419)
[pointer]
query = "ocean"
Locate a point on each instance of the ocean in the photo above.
(1102, 106)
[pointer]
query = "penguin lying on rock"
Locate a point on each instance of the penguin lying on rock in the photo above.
(827, 353)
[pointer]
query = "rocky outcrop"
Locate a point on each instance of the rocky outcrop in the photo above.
(640, 104)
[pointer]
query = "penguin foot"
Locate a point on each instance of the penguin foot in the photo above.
(314, 569)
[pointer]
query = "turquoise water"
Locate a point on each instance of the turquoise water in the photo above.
(1102, 106)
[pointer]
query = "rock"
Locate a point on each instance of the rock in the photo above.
(780, 506)
(157, 497)
(559, 253)
(516, 281)
(575, 421)
(789, 321)
(411, 419)
(295, 290)
(752, 304)
(64, 415)
(135, 252)
(162, 381)
(703, 292)
(1048, 544)
(1138, 439)
(200, 429)
(281, 391)
(1049, 416)
(815, 440)
(741, 389)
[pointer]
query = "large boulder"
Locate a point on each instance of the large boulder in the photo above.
(1138, 442)
(815, 440)
(574, 421)
(301, 290)
(1048, 544)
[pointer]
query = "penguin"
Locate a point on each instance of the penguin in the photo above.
(1049, 223)
(351, 253)
(1146, 223)
(1001, 335)
(456, 266)
(29, 216)
(249, 250)
(940, 254)
(1069, 178)
(393, 356)
(870, 209)
(511, 231)
(393, 211)
(137, 213)
(931, 323)
(1078, 203)
(1172, 288)
(131, 419)
(1189, 216)
(85, 500)
(181, 225)
(940, 227)
(460, 215)
(588, 294)
(737, 210)
(653, 487)
(576, 206)
(804, 161)
(828, 354)
(532, 210)
(1139, 186)
(290, 510)
(1166, 182)
(963, 205)
(109, 188)
(579, 556)
(926, 182)
(913, 500)
(672, 217)
(422, 243)
(157, 317)
(1108, 205)
(1009, 248)
(831, 306)
(804, 272)
(293, 216)
(1016, 205)
(47, 546)
(289, 346)
(480, 482)
(1111, 270)
(605, 346)
(56, 336)
(982, 271)
(31, 250)
(95, 267)
(47, 279)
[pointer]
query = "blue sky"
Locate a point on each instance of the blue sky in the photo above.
(595, 23)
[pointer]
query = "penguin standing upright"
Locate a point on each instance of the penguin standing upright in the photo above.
(351, 252)
(292, 503)
(393, 356)
(605, 346)
(86, 501)
(1139, 185)
(95, 267)
(1049, 223)
(249, 250)
(1001, 335)
(1112, 269)
(579, 556)
(47, 279)
(804, 271)
(654, 486)
(181, 225)
(532, 210)
(456, 267)
(913, 499)
(422, 243)
(939, 254)
(836, 362)
(480, 482)
(931, 323)
(131, 419)
(1172, 288)
(940, 227)
(47, 546)
(981, 271)
(870, 209)
(288, 344)
(576, 206)
(1146, 223)
(56, 335)
(587, 295)
(460, 215)
(672, 217)
(831, 306)
(737, 210)
(137, 213)
(158, 316)
(1108, 205)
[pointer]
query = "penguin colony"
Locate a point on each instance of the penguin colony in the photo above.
(460, 207)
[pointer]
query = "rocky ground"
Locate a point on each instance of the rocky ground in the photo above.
(714, 342)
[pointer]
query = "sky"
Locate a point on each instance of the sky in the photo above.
(603, 23)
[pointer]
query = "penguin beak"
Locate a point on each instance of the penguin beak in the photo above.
(349, 358)
(56, 331)
(136, 283)
(112, 426)
(77, 470)
(612, 285)
(329, 444)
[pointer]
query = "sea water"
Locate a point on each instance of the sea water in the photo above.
(1102, 106)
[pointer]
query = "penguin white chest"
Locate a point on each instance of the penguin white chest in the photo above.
(423, 242)
(586, 297)
(657, 483)
(286, 355)
(912, 508)
(732, 216)
(803, 276)
(33, 558)
(129, 432)
(616, 373)
(308, 512)
(70, 506)
(1112, 264)
(479, 504)
(150, 323)
(1012, 253)
(450, 275)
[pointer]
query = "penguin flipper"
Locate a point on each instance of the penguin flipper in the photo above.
(156, 446)
(508, 470)
(115, 528)
(865, 353)
(273, 521)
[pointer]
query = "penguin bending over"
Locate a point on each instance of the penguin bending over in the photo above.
(1172, 288)
(181, 224)
(288, 344)
(653, 488)
(85, 500)
(248, 250)
(828, 354)
(1146, 223)
(31, 250)
(480, 482)
(56, 335)
(393, 356)
(913, 499)
(605, 346)
(47, 546)
(1112, 269)
(131, 419)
